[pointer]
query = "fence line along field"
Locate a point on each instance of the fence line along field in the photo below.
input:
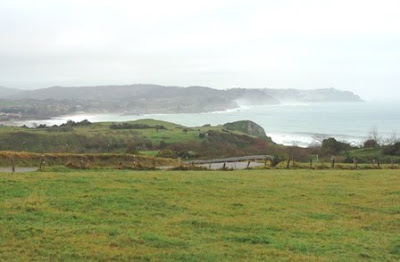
(280, 215)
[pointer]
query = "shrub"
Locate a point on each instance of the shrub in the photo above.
(393, 150)
(334, 147)
(371, 143)
(166, 154)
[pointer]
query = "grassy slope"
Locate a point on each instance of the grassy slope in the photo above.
(172, 134)
(201, 216)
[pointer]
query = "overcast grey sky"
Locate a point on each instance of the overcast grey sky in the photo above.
(347, 44)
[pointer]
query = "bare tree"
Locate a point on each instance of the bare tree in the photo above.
(374, 135)
(393, 139)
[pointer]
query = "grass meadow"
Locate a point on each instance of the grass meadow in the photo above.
(251, 215)
(98, 136)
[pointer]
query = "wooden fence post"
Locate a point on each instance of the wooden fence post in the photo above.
(355, 162)
(82, 163)
(134, 161)
(42, 162)
(12, 164)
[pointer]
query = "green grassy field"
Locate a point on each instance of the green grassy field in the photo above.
(278, 215)
(38, 140)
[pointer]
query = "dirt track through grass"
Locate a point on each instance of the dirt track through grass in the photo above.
(18, 169)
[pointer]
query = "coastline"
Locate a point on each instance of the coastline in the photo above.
(287, 124)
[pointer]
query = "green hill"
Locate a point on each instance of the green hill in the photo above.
(150, 136)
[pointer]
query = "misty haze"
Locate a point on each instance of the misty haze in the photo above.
(199, 130)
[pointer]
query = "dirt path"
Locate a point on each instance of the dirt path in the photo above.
(231, 165)
(18, 169)
(216, 166)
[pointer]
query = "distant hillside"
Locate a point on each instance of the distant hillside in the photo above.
(244, 96)
(137, 99)
(147, 92)
(8, 92)
(148, 99)
(316, 95)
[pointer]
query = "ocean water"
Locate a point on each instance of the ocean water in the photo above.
(288, 124)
